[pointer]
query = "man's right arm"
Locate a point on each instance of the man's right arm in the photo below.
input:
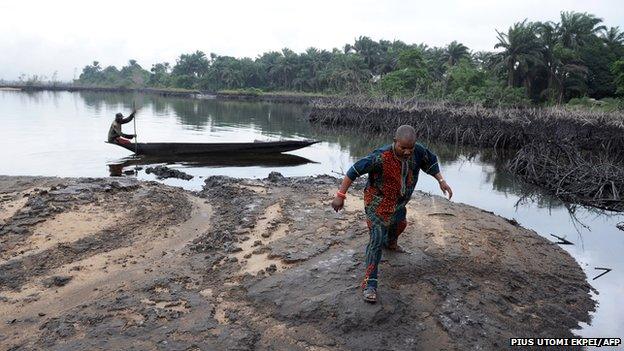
(338, 202)
(363, 166)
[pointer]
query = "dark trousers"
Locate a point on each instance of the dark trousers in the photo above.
(380, 236)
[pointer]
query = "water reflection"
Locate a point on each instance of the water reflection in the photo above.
(282, 120)
(116, 168)
(101, 100)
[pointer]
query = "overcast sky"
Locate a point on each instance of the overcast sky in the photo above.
(40, 37)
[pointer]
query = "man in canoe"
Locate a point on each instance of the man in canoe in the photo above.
(114, 133)
(392, 175)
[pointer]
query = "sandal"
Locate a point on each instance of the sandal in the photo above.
(370, 294)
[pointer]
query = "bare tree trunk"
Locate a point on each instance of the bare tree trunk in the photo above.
(510, 76)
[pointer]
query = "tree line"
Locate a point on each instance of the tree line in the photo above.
(533, 62)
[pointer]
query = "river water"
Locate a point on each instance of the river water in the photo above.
(63, 134)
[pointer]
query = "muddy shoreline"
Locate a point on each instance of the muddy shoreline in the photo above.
(116, 263)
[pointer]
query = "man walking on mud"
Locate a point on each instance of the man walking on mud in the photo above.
(392, 175)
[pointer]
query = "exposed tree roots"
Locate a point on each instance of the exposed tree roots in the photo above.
(576, 155)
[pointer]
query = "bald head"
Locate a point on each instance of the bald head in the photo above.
(405, 133)
(404, 140)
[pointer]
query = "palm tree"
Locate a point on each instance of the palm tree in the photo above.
(288, 66)
(436, 60)
(422, 47)
(613, 37)
(369, 50)
(521, 51)
(271, 63)
(346, 72)
(310, 63)
(576, 28)
(548, 34)
(455, 51)
(565, 69)
(385, 62)
(389, 56)
(483, 59)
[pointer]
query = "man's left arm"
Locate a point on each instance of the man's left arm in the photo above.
(430, 166)
(127, 119)
(446, 189)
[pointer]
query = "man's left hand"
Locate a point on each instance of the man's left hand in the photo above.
(446, 189)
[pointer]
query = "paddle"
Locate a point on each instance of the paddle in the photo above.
(135, 110)
(136, 137)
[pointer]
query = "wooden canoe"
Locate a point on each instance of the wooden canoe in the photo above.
(258, 147)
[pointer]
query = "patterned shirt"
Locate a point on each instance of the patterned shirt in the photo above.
(391, 181)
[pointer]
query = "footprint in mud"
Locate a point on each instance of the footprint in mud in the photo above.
(176, 305)
(254, 253)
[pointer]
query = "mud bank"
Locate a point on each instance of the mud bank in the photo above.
(265, 264)
(290, 98)
(499, 128)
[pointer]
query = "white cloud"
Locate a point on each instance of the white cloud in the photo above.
(39, 37)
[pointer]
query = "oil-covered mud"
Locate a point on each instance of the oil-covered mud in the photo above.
(266, 264)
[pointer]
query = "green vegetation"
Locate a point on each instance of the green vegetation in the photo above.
(606, 104)
(533, 62)
(132, 75)
(618, 71)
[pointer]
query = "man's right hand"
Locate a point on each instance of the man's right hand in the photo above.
(337, 203)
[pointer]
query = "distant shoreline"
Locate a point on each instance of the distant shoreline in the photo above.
(72, 88)
(284, 97)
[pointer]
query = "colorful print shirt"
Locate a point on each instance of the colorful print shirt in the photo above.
(391, 181)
